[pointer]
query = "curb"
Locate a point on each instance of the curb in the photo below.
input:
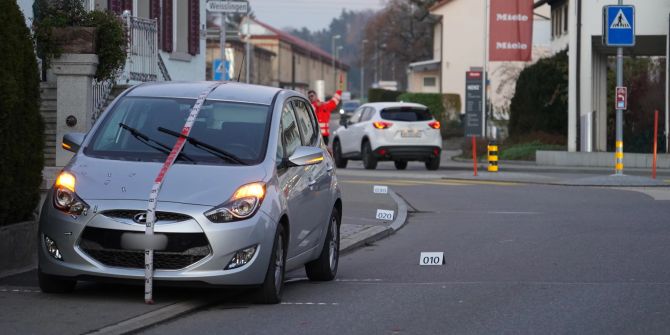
(377, 232)
(152, 318)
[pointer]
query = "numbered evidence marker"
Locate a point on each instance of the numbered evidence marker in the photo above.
(431, 258)
(383, 214)
(378, 189)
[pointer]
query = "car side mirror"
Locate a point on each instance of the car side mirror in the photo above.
(72, 141)
(304, 156)
(344, 120)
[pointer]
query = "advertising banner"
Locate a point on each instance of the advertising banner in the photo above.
(511, 30)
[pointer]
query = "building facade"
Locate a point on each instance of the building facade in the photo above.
(458, 47)
(298, 64)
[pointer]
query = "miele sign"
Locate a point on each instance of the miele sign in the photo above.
(510, 30)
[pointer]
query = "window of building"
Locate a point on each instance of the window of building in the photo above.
(429, 81)
(181, 26)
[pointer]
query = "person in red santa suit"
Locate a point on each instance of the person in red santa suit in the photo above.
(323, 110)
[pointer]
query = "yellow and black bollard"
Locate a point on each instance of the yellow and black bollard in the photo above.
(493, 157)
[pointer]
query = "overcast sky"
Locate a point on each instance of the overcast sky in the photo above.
(313, 14)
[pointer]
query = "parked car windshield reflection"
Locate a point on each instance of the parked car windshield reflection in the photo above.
(237, 128)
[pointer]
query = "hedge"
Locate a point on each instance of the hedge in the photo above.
(21, 128)
(540, 103)
(431, 100)
(382, 95)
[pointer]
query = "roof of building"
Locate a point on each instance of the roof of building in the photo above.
(300, 43)
(441, 3)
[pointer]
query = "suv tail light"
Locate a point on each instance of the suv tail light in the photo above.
(382, 124)
(434, 124)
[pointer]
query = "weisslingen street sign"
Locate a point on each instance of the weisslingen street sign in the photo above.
(227, 6)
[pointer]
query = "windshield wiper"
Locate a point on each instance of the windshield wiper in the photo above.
(206, 147)
(147, 140)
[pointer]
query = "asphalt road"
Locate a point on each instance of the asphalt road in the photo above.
(522, 259)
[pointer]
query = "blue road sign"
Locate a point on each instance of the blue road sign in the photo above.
(619, 26)
(218, 70)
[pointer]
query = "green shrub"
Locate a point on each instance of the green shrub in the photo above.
(526, 151)
(431, 100)
(110, 36)
(382, 95)
(540, 102)
(21, 128)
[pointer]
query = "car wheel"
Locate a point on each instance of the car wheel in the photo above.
(340, 162)
(369, 160)
(271, 290)
(400, 165)
(55, 284)
(433, 163)
(324, 268)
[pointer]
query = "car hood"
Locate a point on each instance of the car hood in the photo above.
(103, 179)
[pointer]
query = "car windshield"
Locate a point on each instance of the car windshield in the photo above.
(406, 114)
(350, 105)
(131, 131)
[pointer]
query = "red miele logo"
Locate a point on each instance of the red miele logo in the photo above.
(474, 75)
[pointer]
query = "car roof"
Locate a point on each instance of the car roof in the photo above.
(382, 105)
(228, 91)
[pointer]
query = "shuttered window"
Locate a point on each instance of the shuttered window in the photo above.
(166, 33)
(118, 6)
(193, 27)
(155, 13)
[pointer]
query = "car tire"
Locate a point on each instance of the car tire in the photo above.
(324, 268)
(400, 165)
(340, 162)
(369, 160)
(433, 163)
(271, 290)
(55, 284)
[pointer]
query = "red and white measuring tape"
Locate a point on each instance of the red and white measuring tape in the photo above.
(158, 183)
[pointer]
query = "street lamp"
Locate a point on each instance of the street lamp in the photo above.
(337, 57)
(335, 37)
(381, 62)
(363, 70)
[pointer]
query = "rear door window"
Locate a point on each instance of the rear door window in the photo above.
(409, 114)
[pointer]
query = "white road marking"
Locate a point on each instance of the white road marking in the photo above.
(7, 290)
(310, 303)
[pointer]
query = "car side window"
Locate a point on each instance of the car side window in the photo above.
(305, 122)
(367, 115)
(290, 132)
(357, 115)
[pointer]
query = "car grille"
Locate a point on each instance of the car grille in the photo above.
(183, 249)
(130, 214)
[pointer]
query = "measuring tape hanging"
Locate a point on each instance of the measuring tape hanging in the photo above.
(155, 189)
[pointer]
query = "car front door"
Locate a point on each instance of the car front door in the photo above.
(319, 179)
(293, 181)
(345, 135)
(358, 129)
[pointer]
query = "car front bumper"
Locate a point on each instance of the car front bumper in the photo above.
(89, 247)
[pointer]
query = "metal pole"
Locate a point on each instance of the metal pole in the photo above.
(667, 91)
(618, 168)
(248, 57)
(485, 65)
(222, 46)
(362, 97)
(332, 61)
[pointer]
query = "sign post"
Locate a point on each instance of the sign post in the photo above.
(619, 32)
(474, 116)
(223, 8)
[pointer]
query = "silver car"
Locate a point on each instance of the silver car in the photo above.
(252, 195)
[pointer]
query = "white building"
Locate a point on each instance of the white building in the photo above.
(181, 27)
(458, 47)
(587, 104)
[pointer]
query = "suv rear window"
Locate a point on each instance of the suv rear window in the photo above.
(406, 114)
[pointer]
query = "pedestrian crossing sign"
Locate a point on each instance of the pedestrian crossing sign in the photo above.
(619, 26)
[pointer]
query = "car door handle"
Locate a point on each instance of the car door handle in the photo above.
(311, 183)
(329, 168)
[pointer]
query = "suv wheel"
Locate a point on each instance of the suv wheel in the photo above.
(369, 160)
(324, 268)
(433, 163)
(337, 152)
(400, 165)
(271, 290)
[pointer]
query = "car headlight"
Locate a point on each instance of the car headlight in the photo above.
(65, 198)
(242, 205)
